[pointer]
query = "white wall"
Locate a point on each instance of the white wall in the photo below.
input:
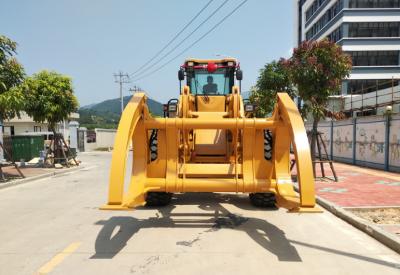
(369, 147)
(105, 137)
(394, 142)
(343, 139)
(370, 139)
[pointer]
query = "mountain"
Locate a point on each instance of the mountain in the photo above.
(88, 106)
(106, 114)
(114, 106)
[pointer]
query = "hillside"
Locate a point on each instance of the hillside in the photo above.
(114, 106)
(106, 114)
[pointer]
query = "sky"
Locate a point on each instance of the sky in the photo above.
(90, 40)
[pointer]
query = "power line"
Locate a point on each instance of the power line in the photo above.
(121, 78)
(194, 43)
(173, 39)
(183, 40)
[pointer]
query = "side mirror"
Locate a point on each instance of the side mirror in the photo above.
(181, 75)
(239, 74)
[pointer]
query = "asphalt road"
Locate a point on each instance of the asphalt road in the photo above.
(54, 226)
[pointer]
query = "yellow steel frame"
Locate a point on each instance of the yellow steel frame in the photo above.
(171, 172)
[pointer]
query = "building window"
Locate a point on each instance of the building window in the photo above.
(374, 29)
(368, 4)
(313, 8)
(8, 130)
(37, 128)
(363, 86)
(336, 35)
(375, 58)
(325, 19)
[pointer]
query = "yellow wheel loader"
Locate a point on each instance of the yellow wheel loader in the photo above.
(209, 141)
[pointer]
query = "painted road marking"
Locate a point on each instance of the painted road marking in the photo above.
(57, 259)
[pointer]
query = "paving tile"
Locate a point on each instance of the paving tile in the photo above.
(359, 187)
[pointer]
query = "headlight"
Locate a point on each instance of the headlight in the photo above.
(249, 108)
(172, 108)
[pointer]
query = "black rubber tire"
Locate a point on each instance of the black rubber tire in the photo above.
(158, 198)
(263, 200)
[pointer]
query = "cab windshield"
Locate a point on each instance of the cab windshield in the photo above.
(202, 82)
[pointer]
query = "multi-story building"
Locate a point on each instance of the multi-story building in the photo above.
(368, 30)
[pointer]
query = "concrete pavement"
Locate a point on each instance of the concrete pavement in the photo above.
(54, 226)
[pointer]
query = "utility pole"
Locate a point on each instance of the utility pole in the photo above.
(121, 78)
(135, 89)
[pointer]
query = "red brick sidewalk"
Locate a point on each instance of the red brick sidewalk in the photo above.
(359, 187)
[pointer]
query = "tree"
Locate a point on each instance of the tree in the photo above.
(273, 78)
(49, 97)
(317, 68)
(11, 75)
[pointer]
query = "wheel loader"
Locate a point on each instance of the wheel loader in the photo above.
(210, 141)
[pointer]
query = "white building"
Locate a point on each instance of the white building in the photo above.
(25, 124)
(368, 30)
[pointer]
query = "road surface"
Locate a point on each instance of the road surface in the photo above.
(53, 226)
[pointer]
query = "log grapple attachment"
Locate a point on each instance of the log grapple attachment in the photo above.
(208, 142)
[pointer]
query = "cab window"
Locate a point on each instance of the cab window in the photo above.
(202, 82)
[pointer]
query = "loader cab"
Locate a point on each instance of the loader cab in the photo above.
(210, 77)
(210, 82)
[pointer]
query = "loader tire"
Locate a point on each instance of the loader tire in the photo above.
(263, 200)
(158, 198)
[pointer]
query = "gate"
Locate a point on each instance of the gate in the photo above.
(81, 140)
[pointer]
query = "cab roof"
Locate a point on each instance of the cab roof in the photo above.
(205, 61)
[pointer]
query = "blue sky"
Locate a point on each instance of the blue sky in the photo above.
(92, 39)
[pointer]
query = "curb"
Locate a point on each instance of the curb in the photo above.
(386, 238)
(30, 179)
